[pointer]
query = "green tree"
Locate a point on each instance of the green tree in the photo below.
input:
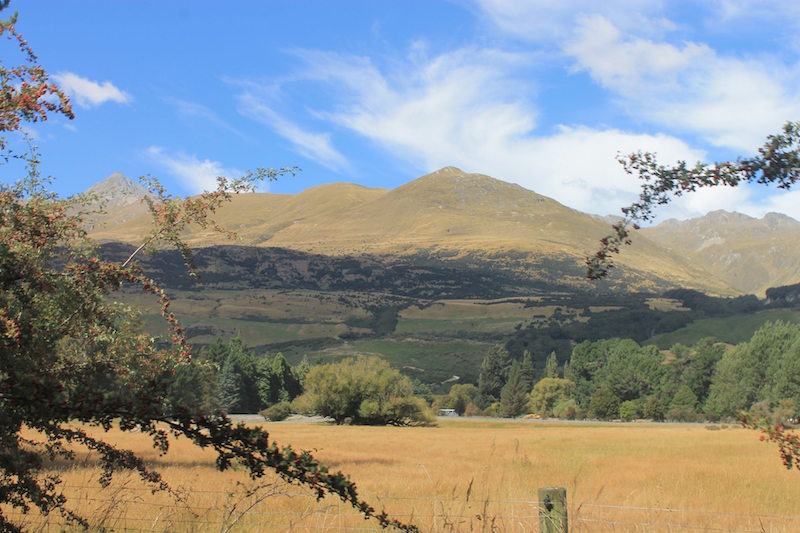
(604, 404)
(365, 390)
(71, 357)
(693, 367)
(548, 393)
(277, 381)
(493, 374)
(683, 405)
(764, 368)
(460, 396)
(551, 366)
(528, 371)
(654, 408)
(195, 387)
(238, 379)
(629, 409)
(514, 396)
(628, 370)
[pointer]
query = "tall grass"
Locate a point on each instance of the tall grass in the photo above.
(468, 476)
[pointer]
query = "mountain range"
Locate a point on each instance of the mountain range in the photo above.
(462, 218)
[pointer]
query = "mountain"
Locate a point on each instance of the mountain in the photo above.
(118, 191)
(473, 219)
(749, 254)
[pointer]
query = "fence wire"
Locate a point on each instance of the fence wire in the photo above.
(128, 509)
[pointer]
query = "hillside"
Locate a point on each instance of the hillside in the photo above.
(448, 215)
(746, 253)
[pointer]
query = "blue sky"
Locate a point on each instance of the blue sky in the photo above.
(540, 93)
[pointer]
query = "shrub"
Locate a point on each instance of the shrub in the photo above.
(365, 390)
(628, 410)
(277, 412)
(567, 409)
(654, 408)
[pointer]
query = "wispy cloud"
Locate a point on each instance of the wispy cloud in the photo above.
(547, 22)
(467, 108)
(315, 146)
(193, 109)
(88, 93)
(196, 174)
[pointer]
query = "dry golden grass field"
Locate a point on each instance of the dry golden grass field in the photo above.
(466, 475)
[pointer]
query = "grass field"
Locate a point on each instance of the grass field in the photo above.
(468, 475)
(732, 329)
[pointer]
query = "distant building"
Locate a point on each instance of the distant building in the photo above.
(447, 412)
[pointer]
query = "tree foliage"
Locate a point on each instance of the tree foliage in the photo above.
(365, 390)
(766, 368)
(69, 353)
(514, 395)
(493, 374)
(548, 393)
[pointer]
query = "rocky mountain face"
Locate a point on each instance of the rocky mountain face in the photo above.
(473, 219)
(749, 254)
(118, 191)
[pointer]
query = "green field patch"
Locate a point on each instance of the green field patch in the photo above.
(733, 329)
(468, 309)
(456, 327)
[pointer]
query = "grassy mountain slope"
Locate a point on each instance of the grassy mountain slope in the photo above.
(746, 253)
(447, 214)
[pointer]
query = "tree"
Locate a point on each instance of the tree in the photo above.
(238, 379)
(195, 386)
(459, 397)
(767, 367)
(277, 381)
(604, 404)
(493, 374)
(551, 366)
(365, 390)
(69, 353)
(514, 395)
(528, 370)
(629, 409)
(548, 393)
(683, 405)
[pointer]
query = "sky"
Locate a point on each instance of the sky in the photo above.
(540, 93)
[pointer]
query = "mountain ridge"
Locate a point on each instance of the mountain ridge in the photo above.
(454, 214)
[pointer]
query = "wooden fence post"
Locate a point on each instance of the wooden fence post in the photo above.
(553, 510)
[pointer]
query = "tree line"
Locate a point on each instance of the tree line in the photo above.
(604, 379)
(621, 379)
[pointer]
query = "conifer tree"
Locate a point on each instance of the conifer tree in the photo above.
(493, 374)
(514, 396)
(551, 366)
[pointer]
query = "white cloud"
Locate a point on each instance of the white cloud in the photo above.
(196, 174)
(731, 102)
(90, 93)
(465, 108)
(315, 146)
(643, 59)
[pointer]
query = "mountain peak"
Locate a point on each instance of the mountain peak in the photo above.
(448, 170)
(117, 190)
